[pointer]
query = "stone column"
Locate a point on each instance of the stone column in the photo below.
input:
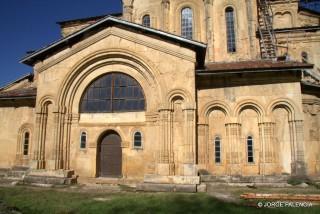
(69, 119)
(165, 166)
(38, 157)
(203, 145)
(268, 156)
(209, 29)
(298, 166)
(251, 12)
(165, 12)
(58, 134)
(127, 10)
(234, 154)
(189, 168)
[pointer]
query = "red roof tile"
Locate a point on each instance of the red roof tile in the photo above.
(253, 65)
(19, 93)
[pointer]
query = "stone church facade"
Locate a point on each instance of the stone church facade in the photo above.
(169, 90)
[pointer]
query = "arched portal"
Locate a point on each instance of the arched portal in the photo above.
(109, 155)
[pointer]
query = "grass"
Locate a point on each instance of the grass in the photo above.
(40, 200)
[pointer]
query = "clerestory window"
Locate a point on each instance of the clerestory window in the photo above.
(146, 21)
(187, 23)
(231, 37)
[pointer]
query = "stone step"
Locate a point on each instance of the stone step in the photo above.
(3, 172)
(244, 179)
(20, 168)
(283, 197)
(31, 179)
(151, 187)
(16, 174)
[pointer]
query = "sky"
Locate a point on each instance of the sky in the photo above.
(31, 24)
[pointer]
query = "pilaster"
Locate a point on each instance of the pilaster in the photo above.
(234, 149)
(209, 28)
(298, 165)
(165, 166)
(165, 7)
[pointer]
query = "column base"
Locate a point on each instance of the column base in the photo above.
(269, 169)
(165, 169)
(299, 169)
(234, 169)
(190, 170)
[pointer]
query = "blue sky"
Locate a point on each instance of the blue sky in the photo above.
(31, 24)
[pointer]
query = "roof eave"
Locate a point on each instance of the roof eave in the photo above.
(18, 98)
(204, 72)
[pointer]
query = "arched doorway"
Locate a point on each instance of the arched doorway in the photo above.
(109, 156)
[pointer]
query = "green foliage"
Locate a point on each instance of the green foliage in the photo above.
(37, 200)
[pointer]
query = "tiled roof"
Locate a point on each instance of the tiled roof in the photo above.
(88, 19)
(252, 66)
(19, 93)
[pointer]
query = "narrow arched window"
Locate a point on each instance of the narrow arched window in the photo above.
(187, 23)
(250, 149)
(83, 140)
(26, 142)
(137, 140)
(231, 37)
(217, 149)
(146, 21)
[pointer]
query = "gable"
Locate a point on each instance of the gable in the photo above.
(108, 22)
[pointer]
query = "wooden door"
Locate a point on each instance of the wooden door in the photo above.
(111, 156)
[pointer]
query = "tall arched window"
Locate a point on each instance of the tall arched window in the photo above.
(231, 37)
(83, 140)
(26, 141)
(187, 23)
(146, 21)
(113, 92)
(137, 140)
(250, 149)
(217, 149)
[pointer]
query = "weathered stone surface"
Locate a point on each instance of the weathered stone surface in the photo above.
(52, 173)
(202, 187)
(188, 116)
(244, 179)
(151, 187)
(172, 179)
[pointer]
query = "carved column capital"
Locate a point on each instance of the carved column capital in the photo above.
(208, 1)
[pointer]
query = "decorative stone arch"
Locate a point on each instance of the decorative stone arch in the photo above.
(291, 12)
(81, 75)
(211, 106)
(44, 102)
(183, 93)
(196, 8)
(145, 75)
(112, 129)
(288, 105)
(42, 114)
(295, 125)
(250, 104)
